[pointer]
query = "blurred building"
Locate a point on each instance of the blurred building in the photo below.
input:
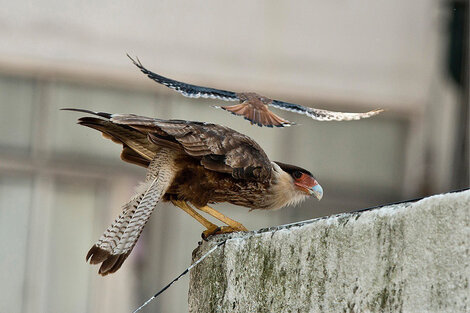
(61, 185)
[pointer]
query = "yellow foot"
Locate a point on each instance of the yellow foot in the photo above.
(221, 230)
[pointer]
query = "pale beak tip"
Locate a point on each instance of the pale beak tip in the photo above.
(317, 191)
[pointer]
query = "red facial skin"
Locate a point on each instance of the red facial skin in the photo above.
(305, 183)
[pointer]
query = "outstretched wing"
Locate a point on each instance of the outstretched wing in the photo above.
(251, 109)
(322, 115)
(188, 90)
(220, 148)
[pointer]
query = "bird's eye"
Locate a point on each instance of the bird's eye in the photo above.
(297, 174)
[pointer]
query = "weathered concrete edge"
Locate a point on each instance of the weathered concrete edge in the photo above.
(386, 208)
(393, 212)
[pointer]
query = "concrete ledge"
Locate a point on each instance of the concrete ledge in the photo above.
(410, 257)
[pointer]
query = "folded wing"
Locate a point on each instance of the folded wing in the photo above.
(219, 148)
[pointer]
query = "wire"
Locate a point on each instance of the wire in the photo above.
(180, 275)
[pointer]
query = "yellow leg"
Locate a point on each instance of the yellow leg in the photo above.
(235, 226)
(185, 207)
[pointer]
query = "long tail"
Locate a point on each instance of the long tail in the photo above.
(104, 251)
(119, 239)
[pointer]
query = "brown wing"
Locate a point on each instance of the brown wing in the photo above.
(136, 147)
(220, 148)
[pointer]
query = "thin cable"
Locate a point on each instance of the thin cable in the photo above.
(180, 275)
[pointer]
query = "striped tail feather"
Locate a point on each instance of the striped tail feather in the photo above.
(104, 250)
(117, 242)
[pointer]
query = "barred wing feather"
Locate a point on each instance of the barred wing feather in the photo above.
(322, 115)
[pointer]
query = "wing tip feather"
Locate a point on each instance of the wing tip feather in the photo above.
(376, 111)
(101, 114)
(136, 63)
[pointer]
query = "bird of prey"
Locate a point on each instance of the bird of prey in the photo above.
(191, 164)
(253, 107)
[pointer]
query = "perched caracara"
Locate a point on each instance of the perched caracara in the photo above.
(191, 163)
(253, 107)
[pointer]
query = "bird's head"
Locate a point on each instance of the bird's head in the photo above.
(303, 180)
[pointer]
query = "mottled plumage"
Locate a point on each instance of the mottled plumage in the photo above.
(191, 163)
(253, 107)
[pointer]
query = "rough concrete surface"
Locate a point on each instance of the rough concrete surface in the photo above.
(409, 257)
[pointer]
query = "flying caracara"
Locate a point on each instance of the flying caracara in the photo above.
(253, 107)
(191, 163)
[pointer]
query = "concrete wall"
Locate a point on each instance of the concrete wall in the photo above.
(410, 257)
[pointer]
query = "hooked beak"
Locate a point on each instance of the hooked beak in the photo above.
(317, 191)
(308, 184)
